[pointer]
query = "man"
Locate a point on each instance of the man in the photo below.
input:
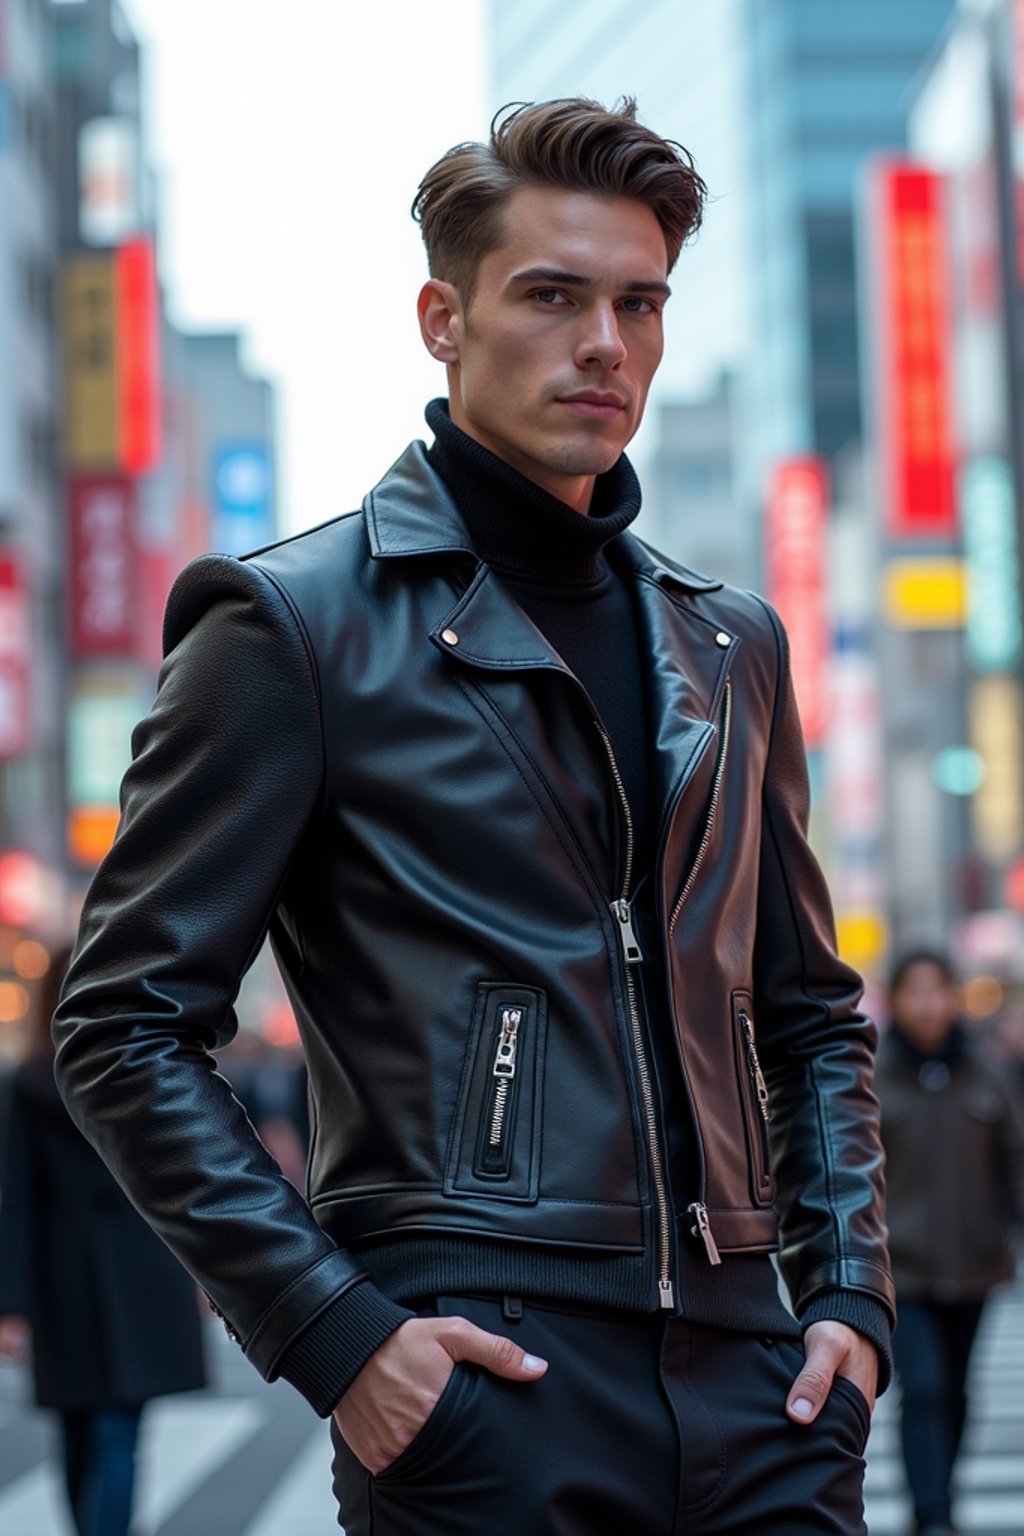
(522, 805)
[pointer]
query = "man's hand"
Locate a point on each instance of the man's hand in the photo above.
(399, 1386)
(14, 1336)
(832, 1349)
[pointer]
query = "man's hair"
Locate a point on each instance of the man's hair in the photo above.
(570, 143)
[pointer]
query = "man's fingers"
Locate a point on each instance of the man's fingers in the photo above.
(808, 1393)
(465, 1341)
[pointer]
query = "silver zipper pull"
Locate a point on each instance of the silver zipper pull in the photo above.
(505, 1056)
(666, 1297)
(232, 1335)
(760, 1086)
(704, 1232)
(630, 943)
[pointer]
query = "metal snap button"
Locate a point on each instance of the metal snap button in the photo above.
(449, 637)
(722, 638)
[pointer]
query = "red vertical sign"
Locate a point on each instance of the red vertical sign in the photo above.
(1017, 128)
(15, 652)
(796, 531)
(138, 356)
(104, 566)
(912, 344)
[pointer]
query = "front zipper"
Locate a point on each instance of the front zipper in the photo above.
(633, 956)
(716, 791)
(495, 1153)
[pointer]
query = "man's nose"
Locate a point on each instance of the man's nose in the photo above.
(600, 341)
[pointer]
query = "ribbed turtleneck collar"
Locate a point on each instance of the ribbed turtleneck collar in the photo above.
(517, 527)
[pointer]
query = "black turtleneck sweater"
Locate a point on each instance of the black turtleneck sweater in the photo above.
(555, 562)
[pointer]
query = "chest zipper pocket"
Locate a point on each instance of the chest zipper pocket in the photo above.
(497, 1121)
(754, 1092)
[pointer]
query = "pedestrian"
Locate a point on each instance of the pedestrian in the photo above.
(954, 1143)
(523, 806)
(107, 1314)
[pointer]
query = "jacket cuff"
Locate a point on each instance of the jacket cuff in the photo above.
(859, 1311)
(325, 1359)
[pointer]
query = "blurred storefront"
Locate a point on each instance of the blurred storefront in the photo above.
(939, 515)
(127, 447)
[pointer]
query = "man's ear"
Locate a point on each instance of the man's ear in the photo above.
(440, 315)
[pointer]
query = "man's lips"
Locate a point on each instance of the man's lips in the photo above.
(599, 405)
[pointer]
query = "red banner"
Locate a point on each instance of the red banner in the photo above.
(912, 346)
(104, 566)
(1017, 128)
(15, 658)
(796, 528)
(138, 356)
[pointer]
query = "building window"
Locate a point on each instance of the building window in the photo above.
(39, 450)
(37, 291)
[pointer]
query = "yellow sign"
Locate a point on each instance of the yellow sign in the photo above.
(929, 592)
(90, 363)
(862, 938)
(995, 721)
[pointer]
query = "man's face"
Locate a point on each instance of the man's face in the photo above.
(550, 364)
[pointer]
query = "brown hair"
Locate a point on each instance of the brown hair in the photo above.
(571, 143)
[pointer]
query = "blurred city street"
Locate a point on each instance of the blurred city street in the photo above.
(209, 345)
(246, 1459)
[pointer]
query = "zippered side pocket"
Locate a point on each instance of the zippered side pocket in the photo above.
(494, 1147)
(498, 1119)
(754, 1095)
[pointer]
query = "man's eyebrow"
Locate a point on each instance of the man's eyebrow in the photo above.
(577, 280)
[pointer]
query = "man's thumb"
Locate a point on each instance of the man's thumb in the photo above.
(810, 1389)
(497, 1354)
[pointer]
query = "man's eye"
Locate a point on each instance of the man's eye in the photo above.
(639, 306)
(549, 295)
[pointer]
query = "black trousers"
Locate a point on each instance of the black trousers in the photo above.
(932, 1349)
(640, 1427)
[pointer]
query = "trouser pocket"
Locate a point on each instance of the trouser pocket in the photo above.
(425, 1443)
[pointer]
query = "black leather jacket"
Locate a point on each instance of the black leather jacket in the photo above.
(362, 743)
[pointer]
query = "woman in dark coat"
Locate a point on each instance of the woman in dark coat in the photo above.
(112, 1317)
(954, 1143)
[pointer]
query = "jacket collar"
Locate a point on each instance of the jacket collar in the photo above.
(411, 512)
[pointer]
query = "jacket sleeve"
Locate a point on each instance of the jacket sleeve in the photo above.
(224, 779)
(817, 1047)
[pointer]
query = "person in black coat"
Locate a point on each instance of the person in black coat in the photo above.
(110, 1316)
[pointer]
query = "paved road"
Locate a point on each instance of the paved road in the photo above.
(250, 1460)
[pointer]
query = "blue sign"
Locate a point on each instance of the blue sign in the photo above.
(242, 499)
(994, 627)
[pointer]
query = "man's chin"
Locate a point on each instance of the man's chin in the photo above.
(590, 458)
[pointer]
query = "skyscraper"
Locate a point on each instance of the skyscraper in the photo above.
(780, 101)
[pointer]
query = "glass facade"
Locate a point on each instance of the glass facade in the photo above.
(781, 102)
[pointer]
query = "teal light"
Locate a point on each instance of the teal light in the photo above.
(958, 770)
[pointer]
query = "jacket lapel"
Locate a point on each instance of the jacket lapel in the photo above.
(411, 513)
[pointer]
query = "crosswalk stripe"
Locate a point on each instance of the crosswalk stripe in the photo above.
(304, 1493)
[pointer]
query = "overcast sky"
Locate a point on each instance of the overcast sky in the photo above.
(290, 140)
